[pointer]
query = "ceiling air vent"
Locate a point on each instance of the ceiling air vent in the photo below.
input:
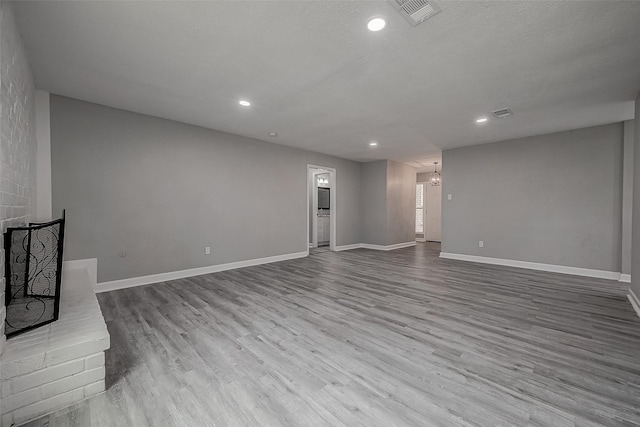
(502, 113)
(416, 11)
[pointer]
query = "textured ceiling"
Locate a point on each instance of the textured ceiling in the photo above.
(319, 79)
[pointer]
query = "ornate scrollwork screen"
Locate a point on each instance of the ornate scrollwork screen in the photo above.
(33, 273)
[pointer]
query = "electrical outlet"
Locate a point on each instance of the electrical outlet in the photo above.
(449, 197)
(481, 244)
(207, 250)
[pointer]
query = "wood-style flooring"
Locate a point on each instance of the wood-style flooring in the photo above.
(369, 338)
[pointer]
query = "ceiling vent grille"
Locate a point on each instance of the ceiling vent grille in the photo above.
(416, 11)
(502, 113)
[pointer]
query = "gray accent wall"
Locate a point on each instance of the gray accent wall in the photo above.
(635, 250)
(388, 201)
(401, 203)
(627, 196)
(374, 202)
(159, 191)
(553, 199)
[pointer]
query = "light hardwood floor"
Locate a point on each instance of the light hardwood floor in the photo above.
(368, 338)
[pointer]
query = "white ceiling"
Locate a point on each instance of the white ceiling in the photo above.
(318, 78)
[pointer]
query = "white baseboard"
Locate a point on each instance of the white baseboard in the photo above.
(421, 239)
(374, 247)
(389, 247)
(91, 264)
(626, 278)
(601, 274)
(347, 247)
(181, 274)
(635, 302)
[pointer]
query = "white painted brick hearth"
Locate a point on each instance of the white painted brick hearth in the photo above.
(58, 364)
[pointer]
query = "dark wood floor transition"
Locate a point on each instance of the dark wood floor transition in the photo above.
(372, 339)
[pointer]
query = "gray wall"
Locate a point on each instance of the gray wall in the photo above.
(388, 200)
(552, 199)
(401, 203)
(627, 196)
(161, 191)
(374, 202)
(635, 251)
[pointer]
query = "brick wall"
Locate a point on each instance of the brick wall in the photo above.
(61, 363)
(17, 136)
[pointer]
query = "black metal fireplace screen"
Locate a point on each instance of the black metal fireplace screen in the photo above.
(33, 273)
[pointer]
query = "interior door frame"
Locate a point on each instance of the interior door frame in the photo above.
(314, 208)
(426, 206)
(311, 175)
(424, 212)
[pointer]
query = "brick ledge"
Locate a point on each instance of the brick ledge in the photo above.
(58, 364)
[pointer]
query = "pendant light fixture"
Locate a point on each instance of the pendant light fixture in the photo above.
(436, 178)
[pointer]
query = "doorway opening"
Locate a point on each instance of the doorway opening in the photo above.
(428, 212)
(321, 207)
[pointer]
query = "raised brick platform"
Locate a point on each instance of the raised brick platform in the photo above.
(59, 364)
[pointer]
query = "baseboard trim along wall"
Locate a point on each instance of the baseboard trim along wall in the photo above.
(375, 247)
(635, 302)
(600, 274)
(348, 247)
(389, 247)
(181, 274)
(626, 278)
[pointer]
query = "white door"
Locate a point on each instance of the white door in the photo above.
(433, 213)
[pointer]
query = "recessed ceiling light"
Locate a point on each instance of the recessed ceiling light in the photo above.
(481, 120)
(373, 144)
(376, 24)
(244, 103)
(273, 134)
